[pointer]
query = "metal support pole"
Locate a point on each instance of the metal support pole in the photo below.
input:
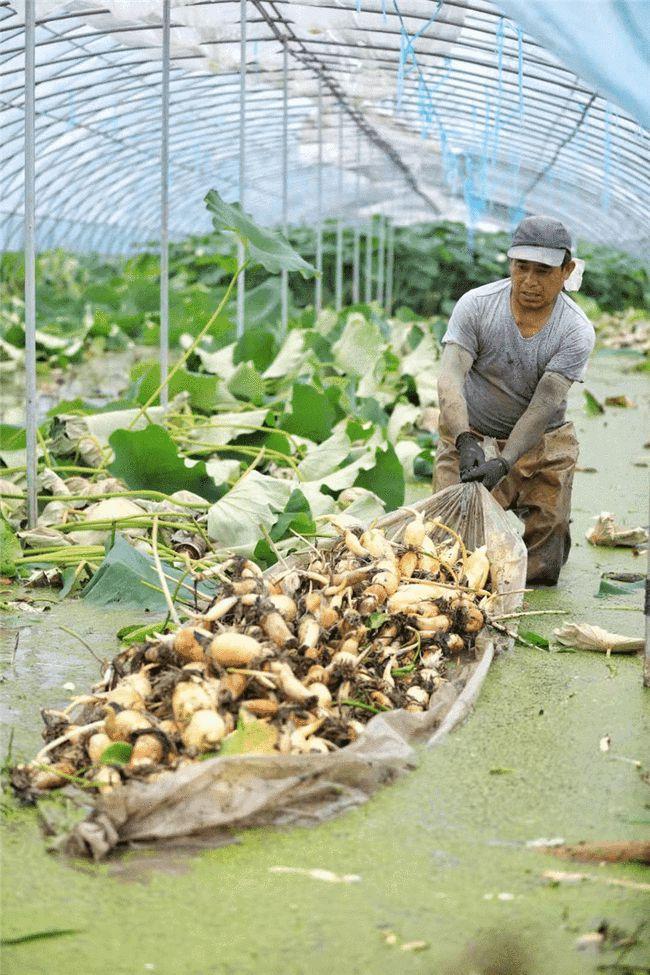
(338, 284)
(30, 259)
(318, 297)
(339, 223)
(381, 256)
(356, 244)
(284, 293)
(368, 282)
(241, 281)
(164, 209)
(390, 268)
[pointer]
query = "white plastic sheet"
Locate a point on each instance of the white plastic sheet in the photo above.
(487, 123)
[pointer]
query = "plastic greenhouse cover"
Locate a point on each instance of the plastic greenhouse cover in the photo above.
(430, 109)
(202, 800)
(609, 47)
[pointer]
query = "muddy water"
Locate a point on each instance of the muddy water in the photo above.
(97, 380)
(441, 854)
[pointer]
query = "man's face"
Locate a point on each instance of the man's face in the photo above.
(535, 286)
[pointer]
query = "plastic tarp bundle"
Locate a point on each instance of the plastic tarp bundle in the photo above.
(429, 110)
(200, 801)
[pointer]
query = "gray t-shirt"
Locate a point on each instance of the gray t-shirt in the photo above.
(507, 367)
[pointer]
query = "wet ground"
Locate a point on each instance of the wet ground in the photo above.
(441, 855)
(96, 380)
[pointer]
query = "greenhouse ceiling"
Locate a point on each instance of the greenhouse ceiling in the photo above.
(425, 109)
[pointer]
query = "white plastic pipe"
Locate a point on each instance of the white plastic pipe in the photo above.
(284, 292)
(241, 280)
(356, 253)
(164, 208)
(30, 260)
(338, 283)
(356, 243)
(390, 267)
(367, 291)
(318, 296)
(381, 256)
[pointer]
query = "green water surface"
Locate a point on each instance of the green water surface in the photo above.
(441, 855)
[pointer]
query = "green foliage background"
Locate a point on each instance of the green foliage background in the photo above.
(434, 267)
(111, 300)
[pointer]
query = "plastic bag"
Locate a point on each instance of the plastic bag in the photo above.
(200, 800)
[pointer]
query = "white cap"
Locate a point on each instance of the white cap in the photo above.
(554, 256)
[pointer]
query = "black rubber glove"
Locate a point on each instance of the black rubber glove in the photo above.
(471, 453)
(489, 473)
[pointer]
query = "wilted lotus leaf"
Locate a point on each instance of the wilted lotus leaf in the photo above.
(622, 400)
(54, 513)
(584, 636)
(42, 537)
(607, 532)
(110, 509)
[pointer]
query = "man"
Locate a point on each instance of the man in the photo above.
(511, 352)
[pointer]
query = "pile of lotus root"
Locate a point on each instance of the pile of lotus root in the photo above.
(307, 657)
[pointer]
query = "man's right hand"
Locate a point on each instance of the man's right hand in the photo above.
(470, 451)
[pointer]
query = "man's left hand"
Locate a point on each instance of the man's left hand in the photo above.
(489, 473)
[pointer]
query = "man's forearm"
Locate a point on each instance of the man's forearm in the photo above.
(453, 408)
(456, 363)
(550, 395)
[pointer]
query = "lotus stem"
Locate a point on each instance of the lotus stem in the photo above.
(533, 612)
(148, 495)
(163, 581)
(127, 521)
(207, 448)
(207, 421)
(188, 352)
(43, 446)
(364, 707)
(67, 553)
(76, 732)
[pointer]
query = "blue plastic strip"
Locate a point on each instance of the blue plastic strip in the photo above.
(476, 181)
(516, 211)
(474, 202)
(424, 108)
(408, 63)
(500, 34)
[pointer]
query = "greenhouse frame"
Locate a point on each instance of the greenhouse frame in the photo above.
(407, 110)
(268, 462)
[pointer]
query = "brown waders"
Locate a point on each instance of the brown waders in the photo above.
(537, 488)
